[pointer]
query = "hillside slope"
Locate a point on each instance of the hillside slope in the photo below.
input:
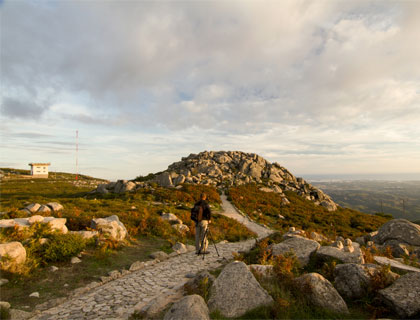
(225, 169)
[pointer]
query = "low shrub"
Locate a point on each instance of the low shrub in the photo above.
(61, 247)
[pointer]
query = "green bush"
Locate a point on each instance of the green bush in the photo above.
(61, 247)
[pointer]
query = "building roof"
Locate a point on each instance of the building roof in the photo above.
(39, 164)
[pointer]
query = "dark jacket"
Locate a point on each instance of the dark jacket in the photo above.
(206, 209)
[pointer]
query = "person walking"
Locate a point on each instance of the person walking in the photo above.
(201, 215)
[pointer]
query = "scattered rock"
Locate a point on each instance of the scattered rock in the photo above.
(173, 219)
(55, 206)
(75, 260)
(398, 249)
(4, 305)
(35, 219)
(395, 265)
(353, 281)
(53, 268)
(34, 295)
(3, 281)
(182, 228)
(12, 254)
(403, 295)
(318, 237)
(321, 292)
(179, 247)
(33, 207)
(160, 255)
(86, 234)
(328, 252)
(19, 314)
(236, 291)
(189, 307)
(303, 248)
(110, 227)
(136, 266)
(58, 224)
(263, 269)
(399, 229)
(44, 209)
(115, 274)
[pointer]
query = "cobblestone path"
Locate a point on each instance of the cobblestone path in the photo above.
(119, 298)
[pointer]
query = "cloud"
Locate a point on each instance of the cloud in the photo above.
(281, 78)
(13, 108)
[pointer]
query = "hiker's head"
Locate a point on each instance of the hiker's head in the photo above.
(203, 196)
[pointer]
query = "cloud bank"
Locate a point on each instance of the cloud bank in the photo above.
(323, 85)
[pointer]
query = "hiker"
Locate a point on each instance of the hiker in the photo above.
(201, 215)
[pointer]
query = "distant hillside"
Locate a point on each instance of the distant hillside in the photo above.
(399, 198)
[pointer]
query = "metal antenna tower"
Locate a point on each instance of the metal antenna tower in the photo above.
(77, 154)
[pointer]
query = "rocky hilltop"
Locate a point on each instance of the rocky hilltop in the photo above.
(230, 168)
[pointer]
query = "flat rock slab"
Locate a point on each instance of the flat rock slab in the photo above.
(327, 252)
(189, 307)
(395, 265)
(404, 295)
(301, 247)
(321, 292)
(236, 291)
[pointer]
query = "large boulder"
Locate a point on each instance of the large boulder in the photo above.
(399, 229)
(353, 280)
(301, 247)
(12, 254)
(189, 307)
(395, 265)
(403, 295)
(236, 291)
(341, 253)
(164, 179)
(110, 227)
(128, 186)
(321, 292)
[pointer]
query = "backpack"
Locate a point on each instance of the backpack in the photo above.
(197, 213)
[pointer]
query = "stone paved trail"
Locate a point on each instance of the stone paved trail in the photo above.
(119, 298)
(231, 212)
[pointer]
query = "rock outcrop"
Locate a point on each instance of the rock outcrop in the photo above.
(236, 291)
(303, 248)
(12, 254)
(321, 292)
(235, 168)
(395, 265)
(189, 307)
(403, 295)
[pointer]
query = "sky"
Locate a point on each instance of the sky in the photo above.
(322, 87)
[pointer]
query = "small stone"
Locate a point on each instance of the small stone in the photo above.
(34, 295)
(66, 285)
(5, 305)
(3, 281)
(53, 268)
(75, 260)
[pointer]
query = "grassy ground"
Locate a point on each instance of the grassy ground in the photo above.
(303, 214)
(139, 211)
(69, 276)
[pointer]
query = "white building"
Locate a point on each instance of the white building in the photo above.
(39, 170)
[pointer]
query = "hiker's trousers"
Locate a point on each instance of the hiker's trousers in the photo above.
(200, 231)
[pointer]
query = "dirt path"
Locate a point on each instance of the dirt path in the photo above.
(118, 299)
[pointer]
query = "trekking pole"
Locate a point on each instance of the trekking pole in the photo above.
(214, 243)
